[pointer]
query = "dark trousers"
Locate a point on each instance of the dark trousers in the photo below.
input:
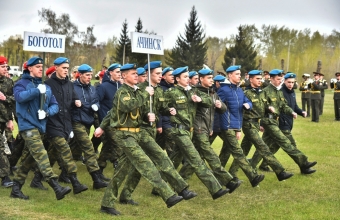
(315, 109)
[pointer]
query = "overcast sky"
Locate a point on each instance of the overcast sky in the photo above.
(220, 18)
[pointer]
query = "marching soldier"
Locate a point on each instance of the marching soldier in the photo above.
(32, 126)
(305, 93)
(315, 90)
(323, 85)
(335, 84)
(141, 75)
(245, 82)
(193, 78)
(266, 80)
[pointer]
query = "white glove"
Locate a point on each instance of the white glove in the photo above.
(94, 107)
(71, 134)
(42, 88)
(41, 114)
(306, 87)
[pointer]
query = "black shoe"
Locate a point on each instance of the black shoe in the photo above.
(309, 165)
(307, 171)
(59, 191)
(6, 182)
(265, 169)
(220, 193)
(284, 175)
(63, 177)
(173, 200)
(128, 202)
(101, 175)
(187, 194)
(255, 182)
(16, 191)
(36, 181)
(97, 182)
(232, 185)
(154, 192)
(110, 211)
(77, 186)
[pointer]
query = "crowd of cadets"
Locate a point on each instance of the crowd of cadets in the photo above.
(149, 123)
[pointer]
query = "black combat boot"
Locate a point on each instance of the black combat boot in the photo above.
(16, 191)
(220, 193)
(36, 181)
(257, 179)
(97, 182)
(101, 175)
(60, 191)
(284, 175)
(187, 194)
(232, 185)
(173, 200)
(110, 211)
(6, 182)
(77, 186)
(63, 177)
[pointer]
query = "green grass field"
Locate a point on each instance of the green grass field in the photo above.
(301, 197)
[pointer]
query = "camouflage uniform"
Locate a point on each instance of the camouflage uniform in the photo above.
(125, 119)
(251, 128)
(272, 131)
(182, 123)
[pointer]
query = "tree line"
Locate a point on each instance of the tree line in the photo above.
(263, 48)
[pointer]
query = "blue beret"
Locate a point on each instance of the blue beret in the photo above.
(192, 74)
(275, 72)
(128, 66)
(141, 71)
(61, 60)
(167, 70)
(255, 72)
(206, 72)
(153, 65)
(219, 78)
(84, 68)
(290, 75)
(233, 68)
(180, 70)
(34, 61)
(114, 66)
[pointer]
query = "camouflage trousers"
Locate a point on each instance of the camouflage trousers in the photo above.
(252, 136)
(226, 154)
(108, 151)
(38, 155)
(276, 138)
(185, 147)
(165, 142)
(232, 146)
(4, 163)
(132, 156)
(81, 135)
(202, 144)
(60, 149)
(160, 159)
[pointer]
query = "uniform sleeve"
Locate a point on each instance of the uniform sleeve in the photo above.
(22, 95)
(285, 108)
(206, 99)
(127, 103)
(223, 107)
(246, 100)
(106, 121)
(53, 106)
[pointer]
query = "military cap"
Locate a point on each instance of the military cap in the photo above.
(114, 66)
(306, 75)
(34, 61)
(254, 72)
(315, 73)
(61, 60)
(84, 68)
(337, 73)
(153, 65)
(219, 78)
(128, 66)
(50, 70)
(265, 72)
(233, 68)
(275, 72)
(192, 74)
(180, 70)
(75, 69)
(205, 72)
(141, 71)
(101, 74)
(167, 69)
(290, 75)
(3, 60)
(24, 66)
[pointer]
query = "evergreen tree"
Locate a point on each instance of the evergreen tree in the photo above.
(139, 58)
(190, 50)
(123, 40)
(244, 53)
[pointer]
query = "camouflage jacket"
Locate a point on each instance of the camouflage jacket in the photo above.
(180, 99)
(277, 100)
(260, 104)
(6, 106)
(126, 108)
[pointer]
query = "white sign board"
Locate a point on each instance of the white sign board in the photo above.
(42, 42)
(148, 44)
